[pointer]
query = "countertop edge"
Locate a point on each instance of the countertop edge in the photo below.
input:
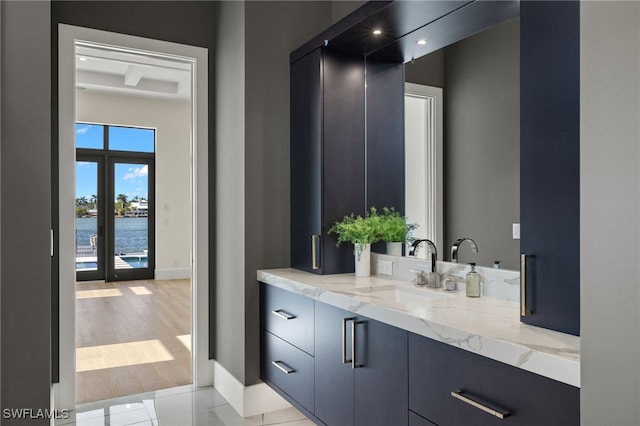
(516, 354)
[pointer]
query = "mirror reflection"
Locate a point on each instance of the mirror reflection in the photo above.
(462, 146)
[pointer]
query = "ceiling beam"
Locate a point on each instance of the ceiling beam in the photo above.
(133, 75)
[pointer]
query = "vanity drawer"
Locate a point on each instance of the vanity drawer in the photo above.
(436, 370)
(416, 420)
(288, 316)
(288, 368)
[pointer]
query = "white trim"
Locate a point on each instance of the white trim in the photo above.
(172, 274)
(65, 391)
(246, 400)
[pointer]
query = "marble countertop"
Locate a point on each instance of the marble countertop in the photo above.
(487, 326)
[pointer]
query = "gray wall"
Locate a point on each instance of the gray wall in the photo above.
(341, 8)
(229, 308)
(482, 144)
(609, 212)
(25, 212)
(256, 37)
(428, 70)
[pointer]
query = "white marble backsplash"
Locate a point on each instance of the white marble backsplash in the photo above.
(503, 284)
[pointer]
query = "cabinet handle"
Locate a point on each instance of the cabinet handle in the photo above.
(283, 367)
(315, 239)
(523, 286)
(344, 340)
(498, 412)
(282, 314)
(353, 343)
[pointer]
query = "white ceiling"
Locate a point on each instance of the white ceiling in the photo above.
(110, 70)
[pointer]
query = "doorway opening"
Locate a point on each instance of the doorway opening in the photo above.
(133, 337)
(133, 293)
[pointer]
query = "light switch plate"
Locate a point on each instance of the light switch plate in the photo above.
(385, 267)
(516, 231)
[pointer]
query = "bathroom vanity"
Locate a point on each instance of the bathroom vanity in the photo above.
(367, 351)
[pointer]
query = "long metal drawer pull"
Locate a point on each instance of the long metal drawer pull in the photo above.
(353, 343)
(282, 314)
(283, 367)
(344, 339)
(498, 412)
(314, 252)
(523, 286)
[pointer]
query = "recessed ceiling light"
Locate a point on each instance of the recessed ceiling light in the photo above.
(377, 32)
(422, 42)
(82, 58)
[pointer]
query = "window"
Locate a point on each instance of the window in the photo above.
(115, 138)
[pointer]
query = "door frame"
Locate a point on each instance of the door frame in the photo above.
(100, 272)
(64, 392)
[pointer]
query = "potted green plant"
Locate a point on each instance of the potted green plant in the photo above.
(394, 230)
(361, 232)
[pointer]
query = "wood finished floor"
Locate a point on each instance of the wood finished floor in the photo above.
(132, 337)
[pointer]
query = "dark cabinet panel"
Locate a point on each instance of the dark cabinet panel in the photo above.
(306, 157)
(437, 369)
(381, 379)
(327, 156)
(287, 315)
(368, 390)
(288, 368)
(416, 420)
(334, 379)
(385, 135)
(550, 162)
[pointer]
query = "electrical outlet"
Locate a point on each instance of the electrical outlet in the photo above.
(516, 231)
(385, 267)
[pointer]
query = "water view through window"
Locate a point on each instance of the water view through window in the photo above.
(112, 198)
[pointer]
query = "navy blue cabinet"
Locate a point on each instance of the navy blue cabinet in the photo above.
(327, 156)
(361, 370)
(448, 386)
(550, 163)
(286, 345)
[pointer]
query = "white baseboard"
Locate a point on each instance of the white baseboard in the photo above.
(246, 400)
(172, 274)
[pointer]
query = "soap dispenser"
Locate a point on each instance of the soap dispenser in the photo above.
(473, 282)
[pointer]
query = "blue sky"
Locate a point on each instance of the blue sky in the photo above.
(131, 179)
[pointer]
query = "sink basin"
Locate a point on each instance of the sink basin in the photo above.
(404, 294)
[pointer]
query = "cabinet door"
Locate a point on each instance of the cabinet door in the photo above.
(381, 376)
(327, 156)
(550, 163)
(372, 390)
(343, 151)
(333, 379)
(306, 161)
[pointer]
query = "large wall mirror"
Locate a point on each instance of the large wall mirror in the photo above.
(479, 159)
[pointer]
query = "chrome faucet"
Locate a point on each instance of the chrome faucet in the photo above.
(456, 245)
(430, 279)
(432, 248)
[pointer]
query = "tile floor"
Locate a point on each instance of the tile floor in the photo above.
(181, 406)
